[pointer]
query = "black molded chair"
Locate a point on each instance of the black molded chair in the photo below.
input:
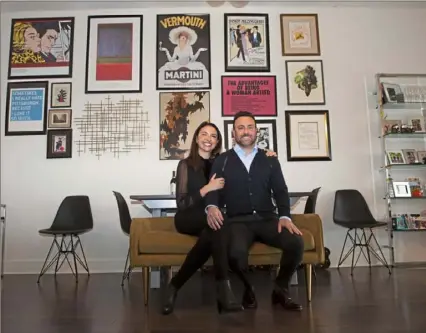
(352, 212)
(125, 222)
(73, 218)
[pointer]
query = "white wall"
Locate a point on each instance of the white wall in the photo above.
(356, 43)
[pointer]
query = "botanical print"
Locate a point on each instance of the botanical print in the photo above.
(180, 114)
(41, 47)
(247, 42)
(305, 82)
(183, 51)
(60, 95)
(300, 35)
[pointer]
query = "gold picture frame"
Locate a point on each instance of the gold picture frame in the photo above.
(308, 135)
(300, 35)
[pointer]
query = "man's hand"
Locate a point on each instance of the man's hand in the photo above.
(214, 218)
(289, 225)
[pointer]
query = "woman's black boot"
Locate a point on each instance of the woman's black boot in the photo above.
(169, 299)
(226, 301)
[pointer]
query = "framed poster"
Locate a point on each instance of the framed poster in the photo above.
(300, 35)
(256, 94)
(41, 48)
(247, 43)
(180, 115)
(60, 95)
(26, 108)
(266, 134)
(305, 82)
(59, 143)
(308, 135)
(183, 52)
(114, 54)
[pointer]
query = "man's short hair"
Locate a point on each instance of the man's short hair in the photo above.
(243, 114)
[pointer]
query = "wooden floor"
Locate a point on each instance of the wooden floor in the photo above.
(376, 303)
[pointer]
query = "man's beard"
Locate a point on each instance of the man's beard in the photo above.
(241, 143)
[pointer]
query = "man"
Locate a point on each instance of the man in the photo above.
(250, 177)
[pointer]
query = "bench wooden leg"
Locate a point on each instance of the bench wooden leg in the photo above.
(145, 278)
(308, 278)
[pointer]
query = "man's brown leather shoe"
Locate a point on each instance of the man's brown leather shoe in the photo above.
(281, 297)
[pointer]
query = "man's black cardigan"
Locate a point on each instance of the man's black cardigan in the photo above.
(249, 192)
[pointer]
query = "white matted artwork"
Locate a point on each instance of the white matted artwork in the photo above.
(300, 35)
(114, 54)
(308, 135)
(60, 95)
(305, 82)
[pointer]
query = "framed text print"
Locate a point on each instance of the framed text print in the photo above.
(41, 48)
(308, 135)
(256, 94)
(114, 54)
(26, 108)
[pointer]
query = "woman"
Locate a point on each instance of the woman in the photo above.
(192, 184)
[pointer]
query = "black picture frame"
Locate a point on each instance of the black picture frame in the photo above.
(290, 82)
(205, 56)
(67, 21)
(50, 153)
(89, 56)
(227, 33)
(52, 89)
(227, 130)
(327, 135)
(25, 85)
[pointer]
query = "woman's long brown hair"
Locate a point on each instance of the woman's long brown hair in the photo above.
(194, 158)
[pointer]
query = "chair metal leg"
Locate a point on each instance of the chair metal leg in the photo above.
(64, 249)
(308, 278)
(362, 243)
(145, 277)
(127, 269)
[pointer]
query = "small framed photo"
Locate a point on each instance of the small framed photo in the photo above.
(410, 156)
(60, 95)
(422, 156)
(418, 124)
(59, 143)
(59, 118)
(401, 189)
(395, 157)
(308, 135)
(305, 82)
(266, 134)
(300, 35)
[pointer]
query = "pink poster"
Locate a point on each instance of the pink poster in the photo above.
(256, 94)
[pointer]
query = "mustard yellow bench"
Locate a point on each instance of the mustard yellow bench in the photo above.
(154, 242)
